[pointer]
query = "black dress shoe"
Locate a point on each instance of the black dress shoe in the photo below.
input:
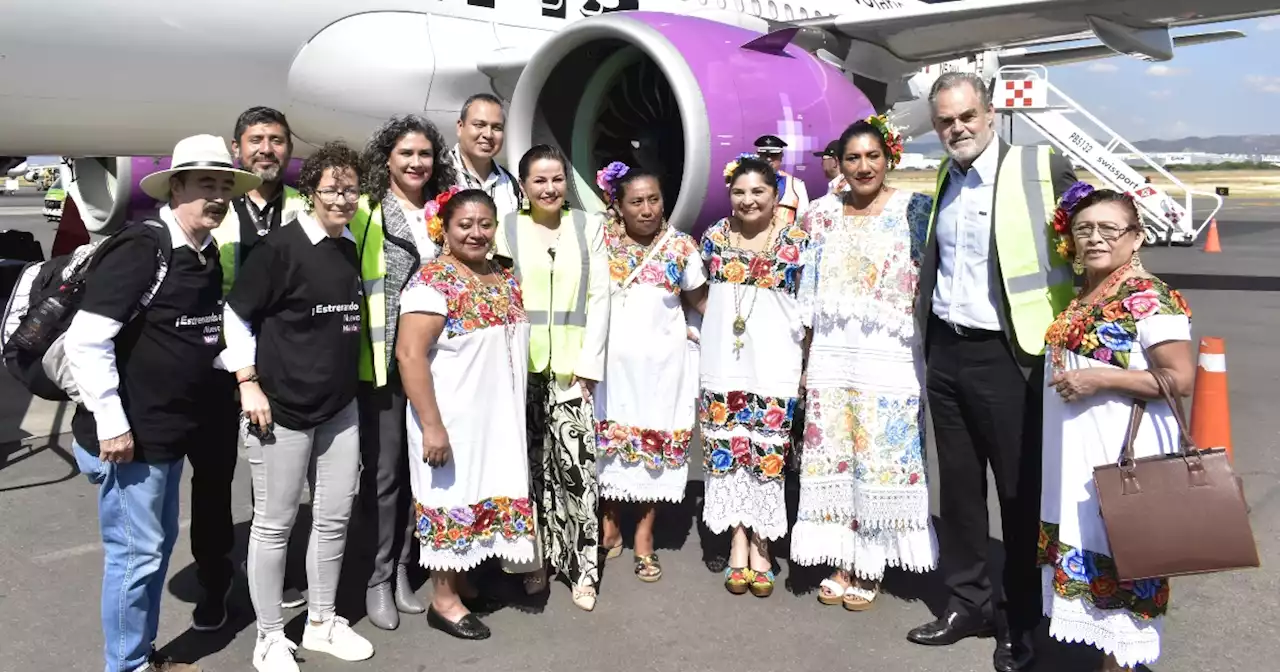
(467, 627)
(950, 629)
(1013, 653)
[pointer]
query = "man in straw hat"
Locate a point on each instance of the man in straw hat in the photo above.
(141, 349)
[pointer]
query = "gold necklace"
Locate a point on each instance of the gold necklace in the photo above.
(740, 320)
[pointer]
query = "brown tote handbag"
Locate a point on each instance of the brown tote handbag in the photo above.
(1175, 514)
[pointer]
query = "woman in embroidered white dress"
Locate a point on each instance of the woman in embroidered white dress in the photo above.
(750, 371)
(1098, 351)
(463, 342)
(864, 502)
(646, 404)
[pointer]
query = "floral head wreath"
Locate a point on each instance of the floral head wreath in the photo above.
(892, 137)
(733, 165)
(1062, 216)
(607, 179)
(432, 210)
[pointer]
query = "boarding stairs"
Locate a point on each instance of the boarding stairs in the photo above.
(1025, 92)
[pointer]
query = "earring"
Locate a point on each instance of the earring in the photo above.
(444, 247)
(1077, 265)
(524, 203)
(1136, 262)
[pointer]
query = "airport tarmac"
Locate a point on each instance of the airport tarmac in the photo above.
(687, 622)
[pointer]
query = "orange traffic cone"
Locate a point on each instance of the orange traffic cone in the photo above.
(1210, 412)
(1211, 241)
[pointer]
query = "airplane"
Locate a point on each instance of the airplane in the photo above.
(682, 86)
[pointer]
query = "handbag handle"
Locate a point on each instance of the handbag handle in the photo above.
(1164, 382)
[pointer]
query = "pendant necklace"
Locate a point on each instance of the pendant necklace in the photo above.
(740, 320)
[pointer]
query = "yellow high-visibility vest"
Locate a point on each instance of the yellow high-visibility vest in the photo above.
(1037, 281)
(227, 235)
(366, 227)
(554, 290)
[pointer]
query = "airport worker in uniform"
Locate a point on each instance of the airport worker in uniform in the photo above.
(830, 156)
(263, 146)
(141, 350)
(481, 128)
(793, 197)
(990, 285)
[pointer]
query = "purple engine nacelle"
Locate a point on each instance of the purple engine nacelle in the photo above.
(681, 96)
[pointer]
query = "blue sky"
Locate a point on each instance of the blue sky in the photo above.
(1225, 88)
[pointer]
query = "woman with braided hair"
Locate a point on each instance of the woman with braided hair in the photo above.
(645, 406)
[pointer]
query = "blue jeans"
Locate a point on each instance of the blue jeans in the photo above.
(138, 518)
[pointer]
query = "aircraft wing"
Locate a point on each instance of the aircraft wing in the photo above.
(944, 31)
(1065, 55)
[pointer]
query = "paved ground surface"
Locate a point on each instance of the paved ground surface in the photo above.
(51, 557)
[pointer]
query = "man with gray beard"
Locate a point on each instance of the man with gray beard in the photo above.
(990, 286)
(262, 145)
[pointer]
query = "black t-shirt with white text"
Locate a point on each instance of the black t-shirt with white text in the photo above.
(168, 387)
(303, 302)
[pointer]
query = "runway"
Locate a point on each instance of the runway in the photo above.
(687, 622)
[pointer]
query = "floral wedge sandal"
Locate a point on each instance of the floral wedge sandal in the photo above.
(762, 583)
(736, 579)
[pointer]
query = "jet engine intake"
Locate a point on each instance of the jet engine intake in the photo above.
(679, 96)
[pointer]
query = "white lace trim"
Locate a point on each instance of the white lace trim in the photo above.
(1113, 631)
(865, 552)
(835, 313)
(517, 551)
(739, 498)
(844, 499)
(624, 482)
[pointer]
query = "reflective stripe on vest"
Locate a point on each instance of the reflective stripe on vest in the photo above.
(366, 227)
(227, 235)
(558, 329)
(1037, 283)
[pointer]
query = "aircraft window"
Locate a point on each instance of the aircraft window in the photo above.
(789, 14)
(742, 6)
(773, 10)
(724, 3)
(755, 8)
(804, 13)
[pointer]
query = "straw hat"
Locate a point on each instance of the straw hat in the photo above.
(199, 152)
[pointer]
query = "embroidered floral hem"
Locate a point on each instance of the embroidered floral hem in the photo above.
(723, 456)
(459, 528)
(654, 448)
(1089, 576)
(765, 417)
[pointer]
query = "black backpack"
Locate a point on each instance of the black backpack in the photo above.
(46, 297)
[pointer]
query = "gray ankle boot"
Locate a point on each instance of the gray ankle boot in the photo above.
(406, 601)
(380, 606)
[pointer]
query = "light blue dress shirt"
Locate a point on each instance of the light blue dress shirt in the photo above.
(965, 294)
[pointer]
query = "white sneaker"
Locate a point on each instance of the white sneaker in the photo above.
(274, 653)
(336, 638)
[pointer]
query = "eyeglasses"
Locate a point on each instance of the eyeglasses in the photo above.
(331, 195)
(1106, 230)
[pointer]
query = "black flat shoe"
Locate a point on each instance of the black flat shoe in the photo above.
(950, 629)
(467, 627)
